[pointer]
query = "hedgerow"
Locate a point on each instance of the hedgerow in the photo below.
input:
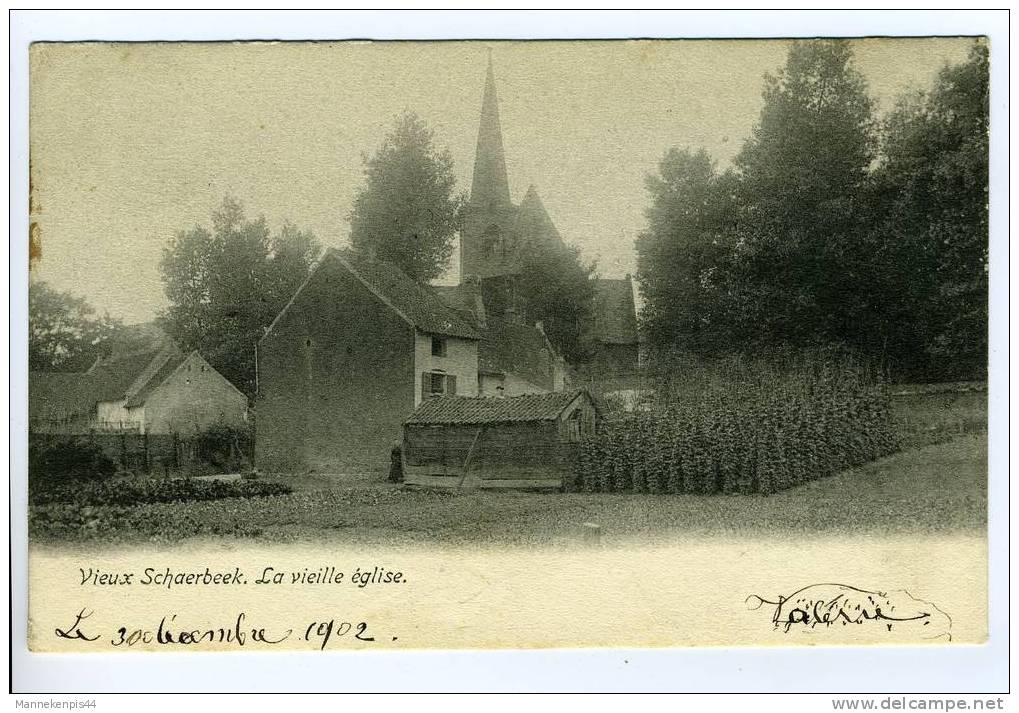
(132, 491)
(760, 429)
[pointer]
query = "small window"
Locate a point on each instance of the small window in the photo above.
(438, 384)
(438, 347)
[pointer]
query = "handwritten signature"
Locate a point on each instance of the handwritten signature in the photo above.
(828, 605)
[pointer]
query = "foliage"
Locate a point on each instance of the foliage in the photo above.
(930, 189)
(407, 213)
(132, 491)
(68, 461)
(684, 250)
(226, 448)
(227, 284)
(555, 288)
(748, 427)
(831, 228)
(936, 489)
(64, 331)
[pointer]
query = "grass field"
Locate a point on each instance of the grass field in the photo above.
(932, 489)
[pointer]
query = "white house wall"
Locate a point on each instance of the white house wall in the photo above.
(461, 361)
(192, 399)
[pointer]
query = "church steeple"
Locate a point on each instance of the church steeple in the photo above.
(491, 185)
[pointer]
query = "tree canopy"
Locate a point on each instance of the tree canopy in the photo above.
(831, 227)
(65, 333)
(226, 285)
(408, 211)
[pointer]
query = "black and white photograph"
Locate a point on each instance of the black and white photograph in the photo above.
(365, 345)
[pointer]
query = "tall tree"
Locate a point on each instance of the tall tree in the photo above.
(930, 194)
(64, 331)
(227, 284)
(801, 251)
(555, 287)
(683, 254)
(408, 211)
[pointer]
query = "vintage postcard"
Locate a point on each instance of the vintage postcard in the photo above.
(508, 344)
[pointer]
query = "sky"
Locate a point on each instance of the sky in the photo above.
(132, 143)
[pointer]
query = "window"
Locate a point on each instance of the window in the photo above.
(438, 347)
(437, 383)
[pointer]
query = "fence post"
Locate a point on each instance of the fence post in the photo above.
(145, 451)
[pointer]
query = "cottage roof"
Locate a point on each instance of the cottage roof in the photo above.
(516, 348)
(418, 303)
(130, 377)
(472, 410)
(615, 315)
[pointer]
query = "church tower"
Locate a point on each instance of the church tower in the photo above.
(488, 239)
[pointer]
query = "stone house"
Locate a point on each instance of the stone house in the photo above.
(361, 345)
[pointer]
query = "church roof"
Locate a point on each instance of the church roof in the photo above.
(509, 347)
(491, 183)
(533, 221)
(615, 314)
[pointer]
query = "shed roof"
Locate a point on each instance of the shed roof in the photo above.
(472, 410)
(615, 314)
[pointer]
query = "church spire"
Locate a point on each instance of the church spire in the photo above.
(491, 185)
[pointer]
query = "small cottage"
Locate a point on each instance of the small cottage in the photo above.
(526, 441)
(154, 391)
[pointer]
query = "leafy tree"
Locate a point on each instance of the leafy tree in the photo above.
(64, 331)
(227, 284)
(801, 256)
(555, 287)
(408, 212)
(682, 256)
(930, 193)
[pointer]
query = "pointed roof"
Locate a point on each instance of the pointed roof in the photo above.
(416, 304)
(491, 184)
(533, 221)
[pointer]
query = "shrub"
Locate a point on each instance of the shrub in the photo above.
(124, 492)
(55, 461)
(748, 428)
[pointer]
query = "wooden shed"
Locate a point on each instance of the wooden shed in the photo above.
(526, 441)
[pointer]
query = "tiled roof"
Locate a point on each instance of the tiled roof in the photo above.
(467, 410)
(516, 348)
(419, 304)
(615, 315)
(155, 374)
(130, 377)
